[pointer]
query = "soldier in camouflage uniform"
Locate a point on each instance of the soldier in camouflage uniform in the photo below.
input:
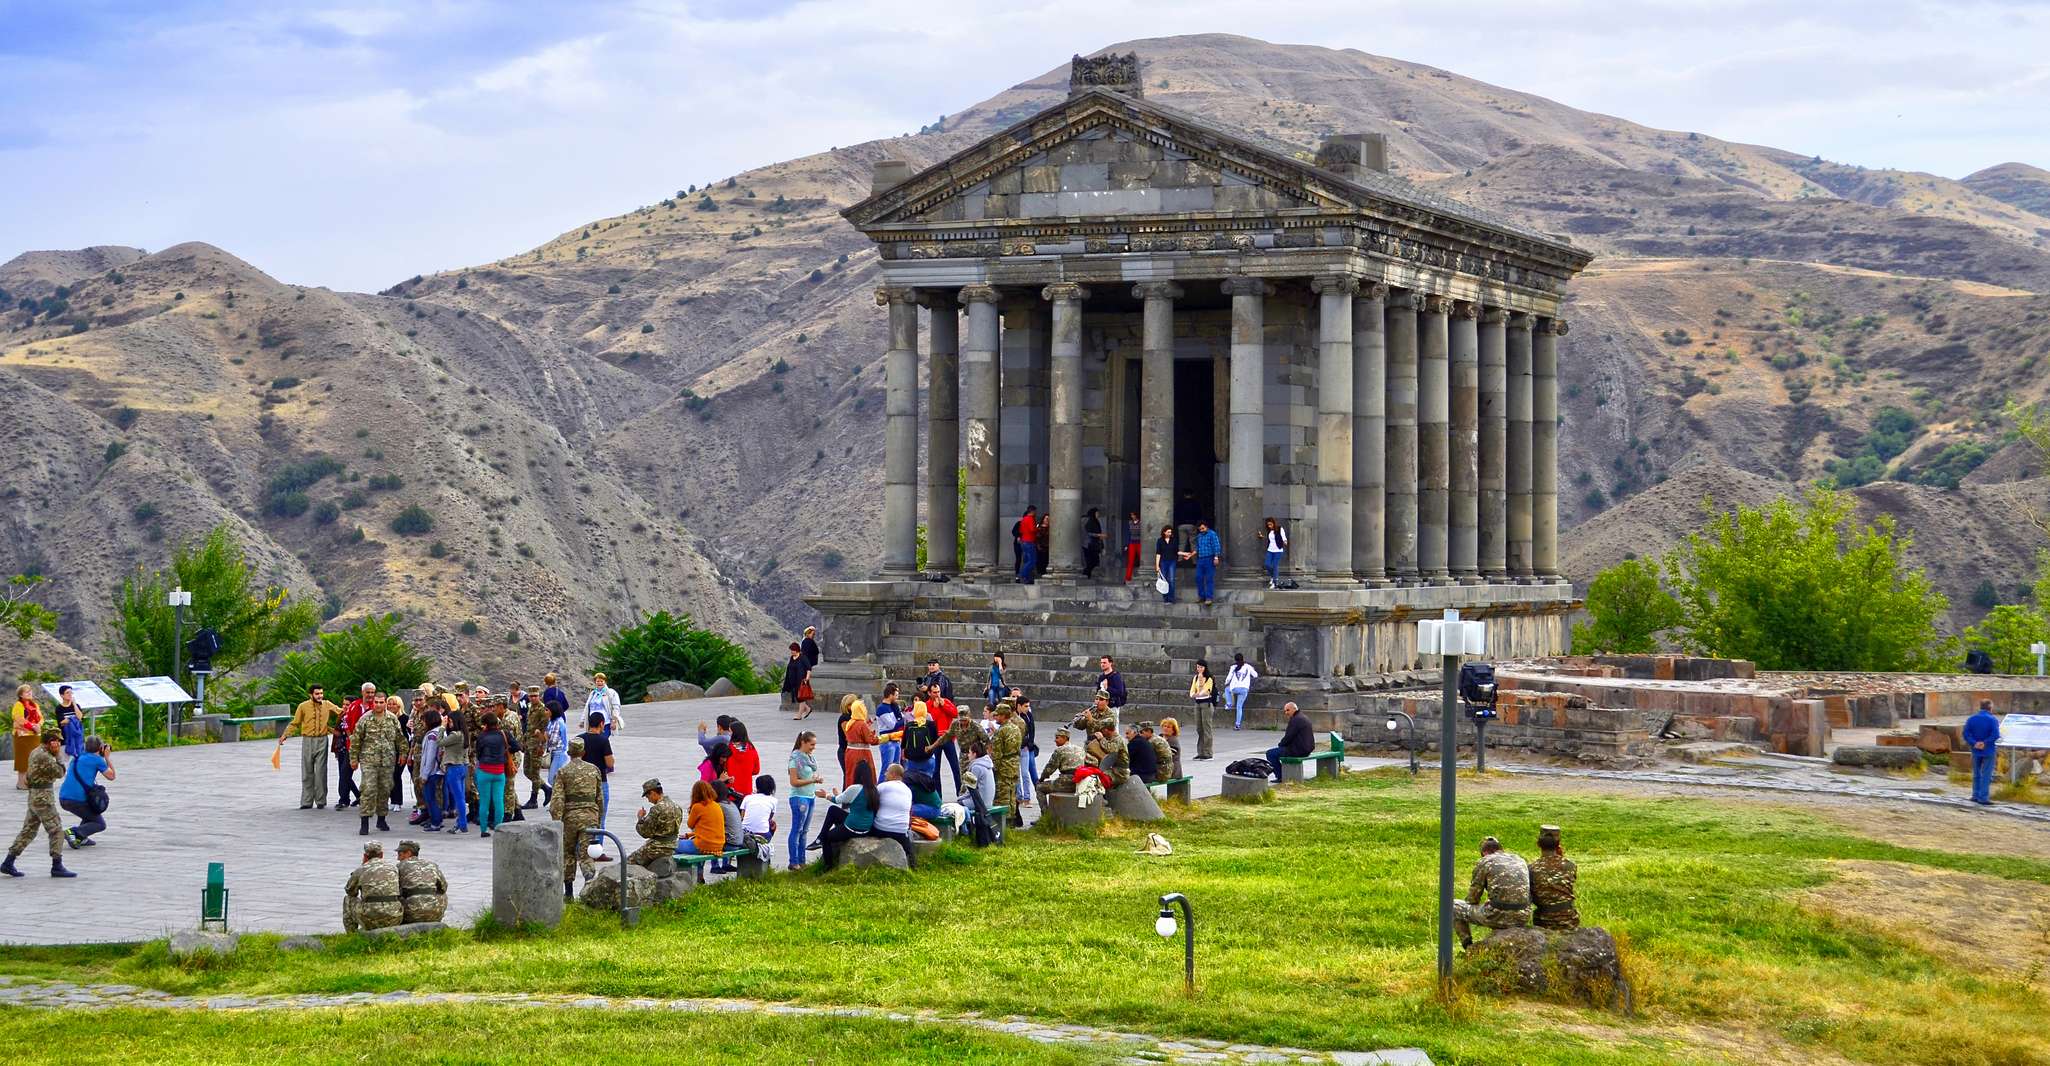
(1112, 757)
(423, 891)
(375, 749)
(535, 740)
(45, 769)
(1058, 775)
(1097, 718)
(1161, 750)
(964, 733)
(1504, 879)
(1552, 880)
(575, 805)
(660, 823)
(1005, 750)
(371, 898)
(416, 731)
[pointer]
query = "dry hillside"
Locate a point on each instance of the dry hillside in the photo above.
(679, 404)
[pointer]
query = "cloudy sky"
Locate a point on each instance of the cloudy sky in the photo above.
(356, 145)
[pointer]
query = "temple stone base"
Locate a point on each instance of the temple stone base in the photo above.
(1325, 649)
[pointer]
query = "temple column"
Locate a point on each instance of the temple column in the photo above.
(1402, 436)
(1544, 450)
(1332, 493)
(1494, 446)
(1246, 471)
(1465, 455)
(1433, 441)
(1156, 403)
(1064, 450)
(943, 433)
(900, 432)
(979, 429)
(1519, 447)
(1369, 435)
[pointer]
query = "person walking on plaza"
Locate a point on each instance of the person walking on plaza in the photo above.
(371, 898)
(455, 769)
(535, 760)
(1166, 557)
(558, 746)
(1209, 555)
(1203, 697)
(1006, 751)
(1275, 540)
(27, 715)
(1028, 751)
(1982, 739)
(374, 750)
(433, 773)
(1503, 878)
(797, 692)
(810, 646)
(578, 795)
(597, 750)
(313, 721)
(552, 695)
(889, 723)
(1135, 540)
(1028, 546)
(346, 791)
(1092, 543)
(44, 770)
(1552, 884)
(944, 710)
(1298, 739)
(423, 891)
(83, 795)
(1238, 684)
(805, 780)
(495, 750)
(605, 699)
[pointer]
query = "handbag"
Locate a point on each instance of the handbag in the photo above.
(804, 693)
(96, 799)
(1161, 586)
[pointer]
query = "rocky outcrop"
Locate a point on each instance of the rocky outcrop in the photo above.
(666, 691)
(602, 892)
(1581, 966)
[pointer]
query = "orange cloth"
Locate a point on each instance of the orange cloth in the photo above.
(708, 828)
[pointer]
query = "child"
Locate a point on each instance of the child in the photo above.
(758, 815)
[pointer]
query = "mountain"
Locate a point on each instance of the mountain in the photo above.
(680, 404)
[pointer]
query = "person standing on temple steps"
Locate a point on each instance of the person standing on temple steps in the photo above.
(1028, 546)
(1092, 542)
(1276, 539)
(1134, 540)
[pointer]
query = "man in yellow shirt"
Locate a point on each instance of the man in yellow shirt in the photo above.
(313, 722)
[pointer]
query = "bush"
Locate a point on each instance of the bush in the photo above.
(115, 450)
(143, 512)
(412, 522)
(288, 504)
(386, 483)
(1627, 609)
(470, 627)
(666, 647)
(374, 650)
(284, 383)
(647, 327)
(325, 513)
(125, 417)
(612, 290)
(437, 550)
(2006, 633)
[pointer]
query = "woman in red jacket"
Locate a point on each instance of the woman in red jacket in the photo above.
(744, 762)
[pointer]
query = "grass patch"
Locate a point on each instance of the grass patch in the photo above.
(1314, 930)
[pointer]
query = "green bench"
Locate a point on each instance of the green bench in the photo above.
(1179, 788)
(1327, 762)
(700, 864)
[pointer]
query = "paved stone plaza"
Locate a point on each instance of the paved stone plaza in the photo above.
(175, 810)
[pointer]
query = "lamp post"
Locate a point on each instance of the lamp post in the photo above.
(177, 599)
(628, 916)
(2039, 649)
(1164, 925)
(1448, 639)
(1409, 720)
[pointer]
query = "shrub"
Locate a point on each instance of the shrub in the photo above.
(325, 513)
(373, 650)
(470, 628)
(125, 417)
(115, 450)
(284, 383)
(437, 550)
(288, 504)
(143, 512)
(386, 483)
(666, 647)
(647, 327)
(1627, 609)
(612, 290)
(353, 500)
(412, 522)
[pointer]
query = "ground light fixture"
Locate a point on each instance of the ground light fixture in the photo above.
(628, 916)
(1165, 926)
(1448, 638)
(1400, 719)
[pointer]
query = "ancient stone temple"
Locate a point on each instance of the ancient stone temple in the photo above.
(1128, 309)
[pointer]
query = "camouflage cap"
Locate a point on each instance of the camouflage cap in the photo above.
(1060, 732)
(1548, 834)
(373, 850)
(410, 845)
(1491, 842)
(533, 690)
(653, 784)
(52, 731)
(1145, 727)
(576, 745)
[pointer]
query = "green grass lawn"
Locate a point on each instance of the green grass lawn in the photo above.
(1315, 929)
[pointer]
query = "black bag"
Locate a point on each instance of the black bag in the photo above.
(1249, 768)
(981, 830)
(96, 799)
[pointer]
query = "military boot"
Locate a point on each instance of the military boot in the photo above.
(8, 867)
(365, 830)
(517, 816)
(381, 826)
(57, 868)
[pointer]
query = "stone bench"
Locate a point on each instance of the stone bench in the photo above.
(1179, 788)
(874, 851)
(1244, 788)
(925, 849)
(701, 865)
(1063, 810)
(1327, 763)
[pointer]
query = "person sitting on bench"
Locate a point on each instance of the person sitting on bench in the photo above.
(866, 809)
(1145, 762)
(1298, 740)
(707, 822)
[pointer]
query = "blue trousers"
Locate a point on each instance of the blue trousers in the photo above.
(1982, 775)
(1235, 698)
(1028, 564)
(1273, 568)
(437, 786)
(454, 798)
(891, 754)
(490, 800)
(800, 827)
(953, 753)
(1206, 579)
(1166, 572)
(1028, 773)
(1274, 761)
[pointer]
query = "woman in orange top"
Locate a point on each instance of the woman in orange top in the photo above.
(706, 821)
(28, 730)
(861, 739)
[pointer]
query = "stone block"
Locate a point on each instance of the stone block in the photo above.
(1134, 802)
(1960, 762)
(302, 943)
(1236, 787)
(1900, 740)
(874, 851)
(662, 866)
(753, 866)
(1040, 179)
(1292, 773)
(1581, 965)
(187, 942)
(1063, 810)
(602, 892)
(924, 849)
(408, 930)
(1837, 710)
(1876, 755)
(1006, 182)
(1936, 739)
(664, 691)
(526, 873)
(722, 687)
(673, 885)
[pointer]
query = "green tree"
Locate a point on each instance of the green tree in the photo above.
(667, 647)
(1627, 609)
(960, 521)
(20, 612)
(251, 621)
(374, 650)
(1799, 586)
(2006, 633)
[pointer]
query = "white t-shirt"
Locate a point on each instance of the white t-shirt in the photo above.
(1277, 540)
(755, 812)
(893, 807)
(1240, 676)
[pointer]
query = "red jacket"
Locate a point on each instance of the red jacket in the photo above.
(943, 713)
(1028, 529)
(351, 713)
(742, 764)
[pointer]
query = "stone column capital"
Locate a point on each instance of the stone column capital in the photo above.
(1405, 300)
(937, 300)
(1156, 290)
(1244, 286)
(891, 294)
(1373, 290)
(1435, 304)
(1521, 320)
(1064, 291)
(1465, 309)
(1555, 326)
(1494, 316)
(979, 294)
(1338, 283)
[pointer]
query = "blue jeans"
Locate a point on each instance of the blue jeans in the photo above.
(437, 784)
(454, 798)
(687, 847)
(1982, 775)
(1206, 579)
(1028, 772)
(604, 801)
(1235, 698)
(1273, 568)
(892, 753)
(1028, 565)
(1166, 572)
(1274, 761)
(800, 826)
(490, 800)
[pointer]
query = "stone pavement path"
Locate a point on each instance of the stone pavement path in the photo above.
(177, 809)
(1782, 775)
(1138, 1048)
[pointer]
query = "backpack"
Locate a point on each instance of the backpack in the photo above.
(981, 830)
(1254, 767)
